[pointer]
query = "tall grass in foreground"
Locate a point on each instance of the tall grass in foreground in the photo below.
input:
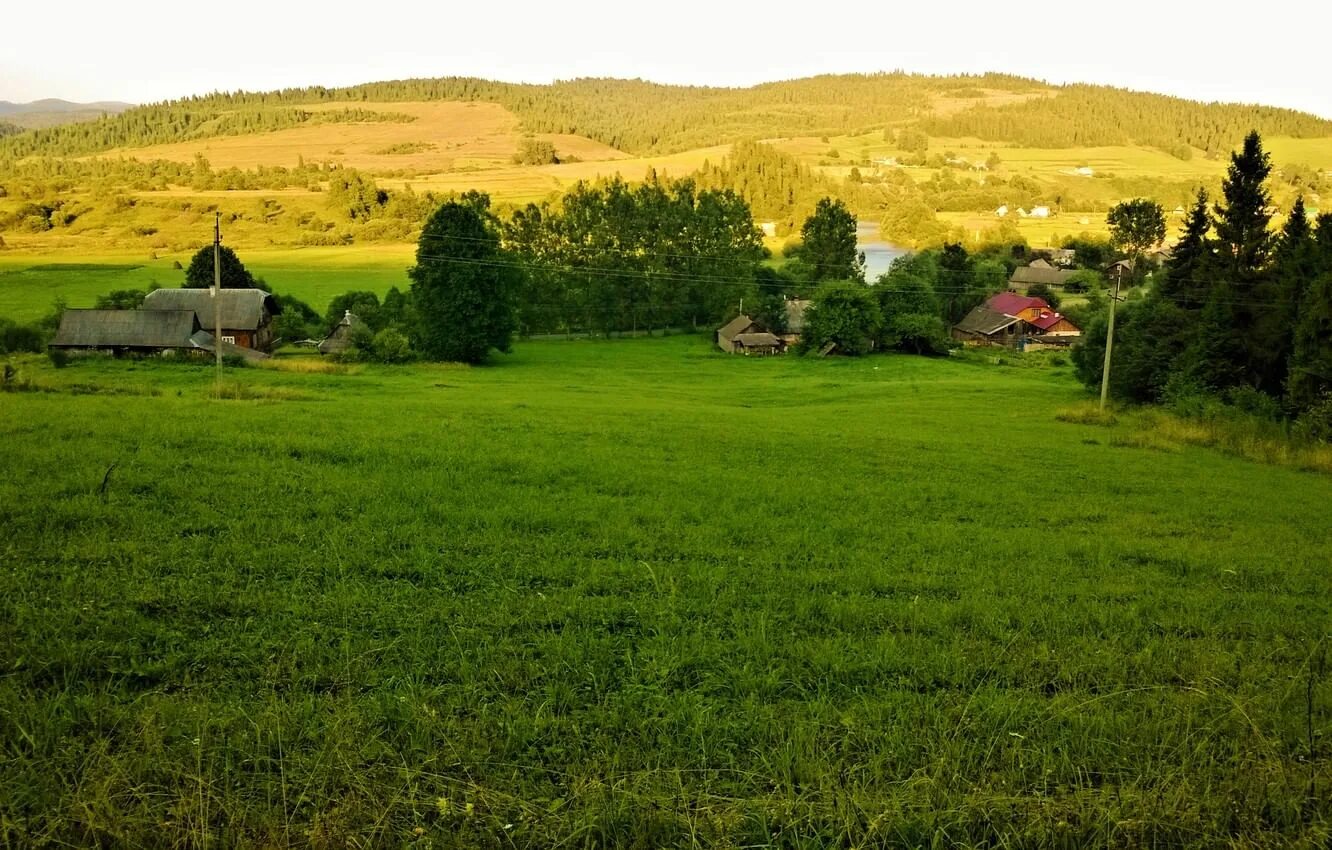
(640, 594)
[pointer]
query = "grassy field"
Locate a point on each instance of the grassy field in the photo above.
(644, 594)
(29, 285)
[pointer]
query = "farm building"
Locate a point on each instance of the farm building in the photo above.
(741, 324)
(139, 332)
(757, 343)
(341, 337)
(983, 326)
(247, 314)
(123, 331)
(1031, 275)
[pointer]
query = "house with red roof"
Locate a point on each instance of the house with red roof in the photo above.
(1016, 321)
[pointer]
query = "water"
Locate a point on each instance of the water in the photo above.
(878, 255)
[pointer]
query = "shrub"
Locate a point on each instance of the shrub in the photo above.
(15, 338)
(391, 346)
(1315, 424)
(59, 357)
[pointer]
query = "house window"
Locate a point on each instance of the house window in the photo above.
(230, 339)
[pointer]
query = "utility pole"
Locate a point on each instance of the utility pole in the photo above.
(1110, 338)
(217, 292)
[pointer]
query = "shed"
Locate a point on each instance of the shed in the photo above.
(741, 324)
(126, 330)
(247, 314)
(984, 326)
(756, 343)
(341, 338)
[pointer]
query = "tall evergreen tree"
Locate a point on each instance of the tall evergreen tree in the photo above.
(1310, 371)
(1223, 352)
(1280, 296)
(462, 288)
(1183, 282)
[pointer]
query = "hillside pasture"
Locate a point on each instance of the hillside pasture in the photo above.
(444, 136)
(645, 594)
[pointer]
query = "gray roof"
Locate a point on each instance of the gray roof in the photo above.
(125, 329)
(1030, 275)
(757, 339)
(242, 309)
(735, 326)
(341, 337)
(985, 321)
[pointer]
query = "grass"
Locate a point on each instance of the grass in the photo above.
(643, 594)
(29, 285)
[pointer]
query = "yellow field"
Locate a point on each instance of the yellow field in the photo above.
(451, 135)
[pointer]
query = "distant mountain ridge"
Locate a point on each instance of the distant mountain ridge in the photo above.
(641, 117)
(52, 112)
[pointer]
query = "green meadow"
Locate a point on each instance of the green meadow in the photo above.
(643, 594)
(30, 284)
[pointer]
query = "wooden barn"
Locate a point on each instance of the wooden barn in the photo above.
(247, 314)
(984, 326)
(757, 343)
(727, 333)
(127, 331)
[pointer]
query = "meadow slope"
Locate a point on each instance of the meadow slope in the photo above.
(643, 594)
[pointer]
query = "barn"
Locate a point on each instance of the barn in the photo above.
(741, 324)
(247, 314)
(126, 331)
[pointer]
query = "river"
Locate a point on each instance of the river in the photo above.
(878, 255)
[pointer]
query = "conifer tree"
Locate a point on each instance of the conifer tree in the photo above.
(1183, 282)
(1275, 321)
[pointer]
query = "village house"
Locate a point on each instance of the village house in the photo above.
(247, 314)
(1016, 321)
(1038, 272)
(741, 326)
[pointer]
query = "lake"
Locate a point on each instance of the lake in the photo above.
(879, 255)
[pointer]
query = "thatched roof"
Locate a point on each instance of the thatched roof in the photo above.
(242, 309)
(757, 340)
(1029, 275)
(985, 321)
(126, 329)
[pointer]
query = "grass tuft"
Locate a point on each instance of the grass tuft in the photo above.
(1089, 413)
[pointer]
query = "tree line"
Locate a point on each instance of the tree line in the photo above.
(1240, 312)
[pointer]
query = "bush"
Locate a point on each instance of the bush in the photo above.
(59, 357)
(1255, 403)
(1315, 424)
(15, 338)
(391, 346)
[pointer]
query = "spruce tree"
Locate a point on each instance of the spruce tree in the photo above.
(1273, 331)
(1310, 371)
(1184, 283)
(1242, 222)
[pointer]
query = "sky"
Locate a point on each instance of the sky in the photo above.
(149, 51)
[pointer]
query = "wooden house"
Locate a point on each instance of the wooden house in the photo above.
(741, 324)
(983, 326)
(1018, 306)
(1026, 276)
(795, 321)
(247, 314)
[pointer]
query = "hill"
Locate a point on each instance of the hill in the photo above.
(51, 112)
(931, 157)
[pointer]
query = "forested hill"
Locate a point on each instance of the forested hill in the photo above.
(643, 117)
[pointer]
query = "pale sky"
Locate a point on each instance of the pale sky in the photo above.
(147, 51)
